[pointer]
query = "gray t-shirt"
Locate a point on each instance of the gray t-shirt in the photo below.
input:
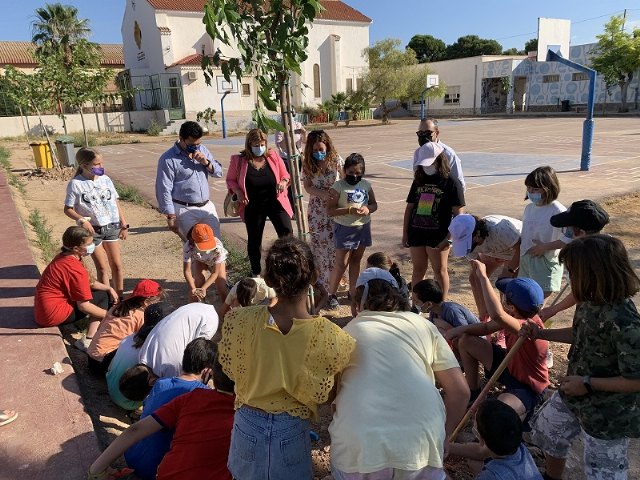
(454, 314)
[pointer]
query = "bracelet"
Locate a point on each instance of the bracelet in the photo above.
(349, 210)
(124, 227)
(208, 163)
(171, 217)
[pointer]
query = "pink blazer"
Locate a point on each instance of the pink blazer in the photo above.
(237, 174)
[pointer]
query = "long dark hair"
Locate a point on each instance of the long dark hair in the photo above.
(152, 316)
(442, 167)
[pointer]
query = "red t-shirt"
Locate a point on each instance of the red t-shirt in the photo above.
(64, 282)
(202, 420)
(529, 365)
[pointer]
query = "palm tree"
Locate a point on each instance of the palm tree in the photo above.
(57, 29)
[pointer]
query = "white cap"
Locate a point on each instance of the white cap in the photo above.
(427, 154)
(461, 229)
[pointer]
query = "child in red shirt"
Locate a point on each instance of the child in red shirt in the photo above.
(202, 421)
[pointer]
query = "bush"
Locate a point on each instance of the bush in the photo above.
(44, 235)
(78, 139)
(154, 129)
(130, 194)
(238, 266)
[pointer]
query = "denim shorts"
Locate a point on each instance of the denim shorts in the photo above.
(106, 233)
(269, 446)
(351, 238)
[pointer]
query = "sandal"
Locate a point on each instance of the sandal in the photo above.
(7, 416)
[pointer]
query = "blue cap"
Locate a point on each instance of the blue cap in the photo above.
(373, 273)
(524, 293)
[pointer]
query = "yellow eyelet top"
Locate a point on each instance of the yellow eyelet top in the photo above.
(278, 373)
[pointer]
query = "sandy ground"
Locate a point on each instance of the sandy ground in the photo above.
(153, 252)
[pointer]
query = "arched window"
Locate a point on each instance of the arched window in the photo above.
(316, 80)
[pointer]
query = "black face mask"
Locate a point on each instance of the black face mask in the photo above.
(424, 138)
(352, 179)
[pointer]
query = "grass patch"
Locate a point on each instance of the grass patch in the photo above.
(44, 236)
(238, 266)
(12, 178)
(130, 194)
(154, 129)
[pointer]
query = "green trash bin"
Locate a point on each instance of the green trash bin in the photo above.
(66, 151)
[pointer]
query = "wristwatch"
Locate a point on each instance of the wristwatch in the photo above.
(586, 380)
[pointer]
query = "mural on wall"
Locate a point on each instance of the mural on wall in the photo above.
(493, 96)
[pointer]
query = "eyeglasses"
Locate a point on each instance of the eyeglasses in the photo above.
(422, 133)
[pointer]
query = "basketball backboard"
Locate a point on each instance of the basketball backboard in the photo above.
(554, 34)
(432, 81)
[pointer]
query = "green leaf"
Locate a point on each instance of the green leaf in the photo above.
(267, 101)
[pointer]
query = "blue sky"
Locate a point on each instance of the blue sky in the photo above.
(510, 22)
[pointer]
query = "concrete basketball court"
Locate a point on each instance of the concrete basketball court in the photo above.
(496, 153)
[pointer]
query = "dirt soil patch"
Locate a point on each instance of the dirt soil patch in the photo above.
(153, 252)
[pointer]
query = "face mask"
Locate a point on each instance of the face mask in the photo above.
(319, 156)
(536, 198)
(99, 171)
(430, 170)
(192, 148)
(89, 249)
(352, 179)
(258, 151)
(424, 138)
(568, 232)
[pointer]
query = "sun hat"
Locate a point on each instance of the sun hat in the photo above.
(427, 154)
(373, 273)
(203, 237)
(461, 229)
(587, 215)
(524, 293)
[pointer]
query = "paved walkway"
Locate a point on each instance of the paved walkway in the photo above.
(53, 437)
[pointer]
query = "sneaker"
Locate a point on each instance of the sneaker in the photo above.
(83, 343)
(333, 302)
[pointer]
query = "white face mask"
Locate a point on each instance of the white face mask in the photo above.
(89, 249)
(430, 169)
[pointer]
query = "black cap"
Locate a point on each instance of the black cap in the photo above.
(584, 214)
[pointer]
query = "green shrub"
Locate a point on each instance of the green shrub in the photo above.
(44, 236)
(238, 266)
(5, 164)
(78, 139)
(154, 129)
(130, 194)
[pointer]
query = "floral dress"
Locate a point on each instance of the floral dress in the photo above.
(320, 224)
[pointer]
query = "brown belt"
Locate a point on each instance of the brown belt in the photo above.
(190, 204)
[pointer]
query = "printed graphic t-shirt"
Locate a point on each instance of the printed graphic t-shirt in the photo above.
(432, 204)
(93, 198)
(352, 196)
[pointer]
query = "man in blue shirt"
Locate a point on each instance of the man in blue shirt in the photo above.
(182, 187)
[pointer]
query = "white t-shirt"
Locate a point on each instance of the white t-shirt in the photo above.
(263, 292)
(504, 233)
(215, 257)
(93, 198)
(164, 347)
(536, 225)
(389, 413)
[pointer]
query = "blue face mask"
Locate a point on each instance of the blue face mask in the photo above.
(319, 156)
(568, 232)
(98, 171)
(192, 148)
(258, 151)
(90, 249)
(536, 198)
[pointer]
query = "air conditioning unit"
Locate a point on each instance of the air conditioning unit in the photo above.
(192, 75)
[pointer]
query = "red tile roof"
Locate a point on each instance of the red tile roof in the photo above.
(20, 54)
(333, 9)
(193, 60)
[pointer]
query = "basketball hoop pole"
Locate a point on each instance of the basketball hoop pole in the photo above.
(224, 123)
(589, 123)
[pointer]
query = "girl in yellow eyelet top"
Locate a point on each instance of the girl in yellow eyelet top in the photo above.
(284, 362)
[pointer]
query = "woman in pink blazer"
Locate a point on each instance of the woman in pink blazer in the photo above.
(260, 179)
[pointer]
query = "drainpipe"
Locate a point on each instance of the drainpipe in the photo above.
(475, 87)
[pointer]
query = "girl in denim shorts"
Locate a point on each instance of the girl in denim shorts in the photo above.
(92, 201)
(351, 203)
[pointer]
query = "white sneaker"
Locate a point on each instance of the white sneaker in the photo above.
(82, 343)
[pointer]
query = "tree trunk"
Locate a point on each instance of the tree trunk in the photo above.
(84, 129)
(624, 87)
(64, 121)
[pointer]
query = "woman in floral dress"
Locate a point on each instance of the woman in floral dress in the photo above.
(321, 167)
